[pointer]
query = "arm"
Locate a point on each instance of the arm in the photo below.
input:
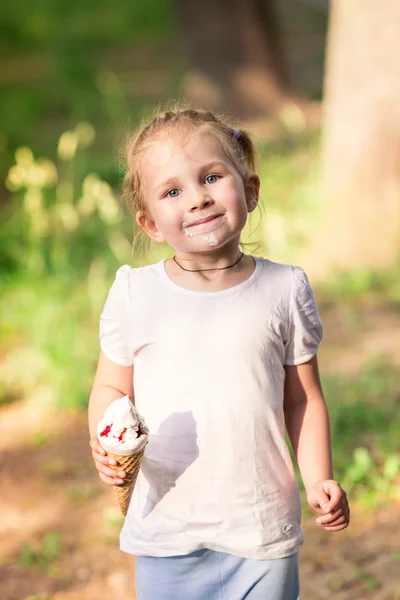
(307, 424)
(111, 382)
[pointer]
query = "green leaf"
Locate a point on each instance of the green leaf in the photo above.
(391, 468)
(363, 459)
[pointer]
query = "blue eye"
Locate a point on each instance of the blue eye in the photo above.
(211, 178)
(174, 193)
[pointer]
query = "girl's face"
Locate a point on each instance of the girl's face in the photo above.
(195, 198)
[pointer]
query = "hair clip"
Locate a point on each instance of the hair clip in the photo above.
(236, 132)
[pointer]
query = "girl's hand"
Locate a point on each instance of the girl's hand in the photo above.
(107, 474)
(328, 499)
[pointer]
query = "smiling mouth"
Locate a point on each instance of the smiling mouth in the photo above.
(208, 219)
(204, 226)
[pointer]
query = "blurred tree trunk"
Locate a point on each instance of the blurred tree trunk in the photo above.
(360, 224)
(235, 55)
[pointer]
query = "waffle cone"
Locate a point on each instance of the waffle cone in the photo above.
(131, 465)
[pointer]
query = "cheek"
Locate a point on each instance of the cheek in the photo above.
(235, 200)
(168, 218)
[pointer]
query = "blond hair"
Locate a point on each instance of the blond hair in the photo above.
(236, 145)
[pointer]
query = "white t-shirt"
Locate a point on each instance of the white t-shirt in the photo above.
(208, 379)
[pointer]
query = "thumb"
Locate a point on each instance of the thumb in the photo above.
(333, 491)
(96, 446)
(319, 500)
(323, 501)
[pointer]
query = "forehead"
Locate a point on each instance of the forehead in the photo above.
(174, 150)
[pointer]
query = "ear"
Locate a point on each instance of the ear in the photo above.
(252, 191)
(149, 226)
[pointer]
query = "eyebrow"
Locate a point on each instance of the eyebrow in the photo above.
(167, 183)
(205, 167)
(214, 163)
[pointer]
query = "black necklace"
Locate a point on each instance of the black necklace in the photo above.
(215, 269)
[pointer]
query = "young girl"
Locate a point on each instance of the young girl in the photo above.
(218, 350)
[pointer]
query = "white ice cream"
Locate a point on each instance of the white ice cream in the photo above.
(122, 429)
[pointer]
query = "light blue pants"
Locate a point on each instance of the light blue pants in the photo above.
(209, 575)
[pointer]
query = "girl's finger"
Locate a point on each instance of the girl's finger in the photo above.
(99, 451)
(339, 521)
(105, 460)
(110, 480)
(337, 527)
(342, 505)
(330, 518)
(94, 444)
(109, 472)
(335, 493)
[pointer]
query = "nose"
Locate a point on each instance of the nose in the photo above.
(199, 200)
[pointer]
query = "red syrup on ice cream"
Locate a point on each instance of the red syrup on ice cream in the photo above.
(107, 430)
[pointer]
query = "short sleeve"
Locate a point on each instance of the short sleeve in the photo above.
(304, 327)
(115, 330)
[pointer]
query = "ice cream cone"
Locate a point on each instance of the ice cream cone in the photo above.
(123, 434)
(131, 465)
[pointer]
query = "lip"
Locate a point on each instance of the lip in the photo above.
(203, 221)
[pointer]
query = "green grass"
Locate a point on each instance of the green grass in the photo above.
(363, 409)
(365, 428)
(288, 170)
(367, 285)
(43, 553)
(51, 340)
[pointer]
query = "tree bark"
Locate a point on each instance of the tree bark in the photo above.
(360, 190)
(235, 55)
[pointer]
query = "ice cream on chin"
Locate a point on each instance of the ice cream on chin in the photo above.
(122, 429)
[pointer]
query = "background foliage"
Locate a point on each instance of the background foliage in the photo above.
(74, 77)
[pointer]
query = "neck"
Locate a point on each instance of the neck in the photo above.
(213, 269)
(215, 259)
(211, 280)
